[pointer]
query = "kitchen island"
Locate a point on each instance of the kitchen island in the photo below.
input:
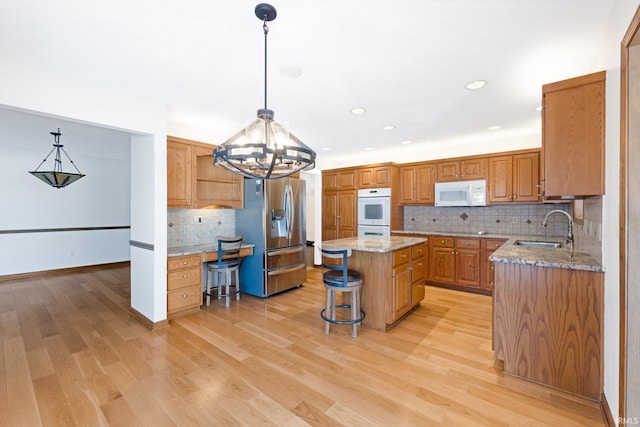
(393, 269)
(548, 317)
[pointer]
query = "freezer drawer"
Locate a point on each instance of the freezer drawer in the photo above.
(279, 258)
(286, 278)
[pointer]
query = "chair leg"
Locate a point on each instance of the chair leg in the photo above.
(206, 278)
(237, 271)
(354, 312)
(328, 311)
(227, 282)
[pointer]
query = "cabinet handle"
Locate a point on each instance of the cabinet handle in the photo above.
(466, 243)
(184, 296)
(453, 253)
(404, 255)
(184, 276)
(184, 263)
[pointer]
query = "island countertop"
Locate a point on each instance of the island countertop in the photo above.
(379, 244)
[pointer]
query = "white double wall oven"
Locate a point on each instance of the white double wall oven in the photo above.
(374, 212)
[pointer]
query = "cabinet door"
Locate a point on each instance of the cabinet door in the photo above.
(347, 213)
(489, 247)
(473, 169)
(329, 215)
(573, 136)
(424, 187)
(468, 267)
(448, 171)
(401, 299)
(178, 175)
(442, 268)
(417, 293)
(500, 179)
(347, 180)
(408, 185)
(526, 177)
(374, 177)
(330, 181)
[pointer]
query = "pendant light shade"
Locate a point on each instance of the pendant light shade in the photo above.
(265, 149)
(56, 177)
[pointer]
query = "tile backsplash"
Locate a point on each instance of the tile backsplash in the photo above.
(495, 219)
(186, 227)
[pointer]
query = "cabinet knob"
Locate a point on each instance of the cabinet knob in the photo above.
(184, 262)
(466, 243)
(453, 252)
(404, 255)
(184, 295)
(184, 276)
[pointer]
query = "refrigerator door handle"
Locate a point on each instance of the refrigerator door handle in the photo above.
(288, 206)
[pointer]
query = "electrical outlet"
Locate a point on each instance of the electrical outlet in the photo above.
(515, 219)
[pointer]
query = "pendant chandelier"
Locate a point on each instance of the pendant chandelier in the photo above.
(265, 149)
(55, 177)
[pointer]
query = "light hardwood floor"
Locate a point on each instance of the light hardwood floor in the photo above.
(70, 354)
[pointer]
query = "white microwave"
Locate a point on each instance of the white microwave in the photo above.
(461, 193)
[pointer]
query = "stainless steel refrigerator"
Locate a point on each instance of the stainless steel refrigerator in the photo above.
(273, 219)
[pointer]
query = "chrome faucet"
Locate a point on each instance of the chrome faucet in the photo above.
(570, 232)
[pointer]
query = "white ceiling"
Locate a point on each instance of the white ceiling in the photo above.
(405, 61)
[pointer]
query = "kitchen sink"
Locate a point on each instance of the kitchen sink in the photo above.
(538, 244)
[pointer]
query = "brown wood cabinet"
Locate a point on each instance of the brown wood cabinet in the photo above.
(419, 257)
(514, 178)
(184, 285)
(194, 182)
(461, 170)
(455, 262)
(375, 176)
(548, 326)
(417, 184)
(573, 132)
(339, 204)
(179, 174)
(489, 246)
(401, 284)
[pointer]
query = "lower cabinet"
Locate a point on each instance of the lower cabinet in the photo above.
(455, 261)
(401, 279)
(184, 285)
(489, 246)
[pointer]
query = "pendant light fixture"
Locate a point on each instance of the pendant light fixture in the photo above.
(55, 177)
(265, 149)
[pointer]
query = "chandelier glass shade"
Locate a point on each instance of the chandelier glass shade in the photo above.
(56, 177)
(265, 149)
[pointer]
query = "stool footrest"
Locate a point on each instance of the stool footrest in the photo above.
(343, 322)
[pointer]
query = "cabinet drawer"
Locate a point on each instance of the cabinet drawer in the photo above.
(468, 243)
(443, 242)
(182, 278)
(177, 262)
(417, 293)
(492, 244)
(401, 256)
(184, 298)
(419, 269)
(418, 251)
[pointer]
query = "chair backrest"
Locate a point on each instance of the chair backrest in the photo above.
(229, 250)
(342, 254)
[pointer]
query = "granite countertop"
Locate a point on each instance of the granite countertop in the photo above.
(563, 257)
(198, 249)
(379, 244)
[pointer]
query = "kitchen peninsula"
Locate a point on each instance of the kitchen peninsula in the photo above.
(548, 317)
(393, 269)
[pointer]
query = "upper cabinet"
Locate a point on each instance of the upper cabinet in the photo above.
(573, 129)
(416, 184)
(335, 180)
(514, 178)
(375, 176)
(461, 170)
(194, 182)
(178, 174)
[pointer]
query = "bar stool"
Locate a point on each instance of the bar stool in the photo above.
(224, 269)
(338, 278)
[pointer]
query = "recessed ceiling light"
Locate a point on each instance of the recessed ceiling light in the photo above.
(368, 148)
(539, 108)
(494, 127)
(358, 110)
(406, 142)
(476, 84)
(326, 149)
(388, 127)
(290, 71)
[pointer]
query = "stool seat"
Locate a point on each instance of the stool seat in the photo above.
(335, 278)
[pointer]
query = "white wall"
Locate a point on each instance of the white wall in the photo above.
(44, 92)
(100, 199)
